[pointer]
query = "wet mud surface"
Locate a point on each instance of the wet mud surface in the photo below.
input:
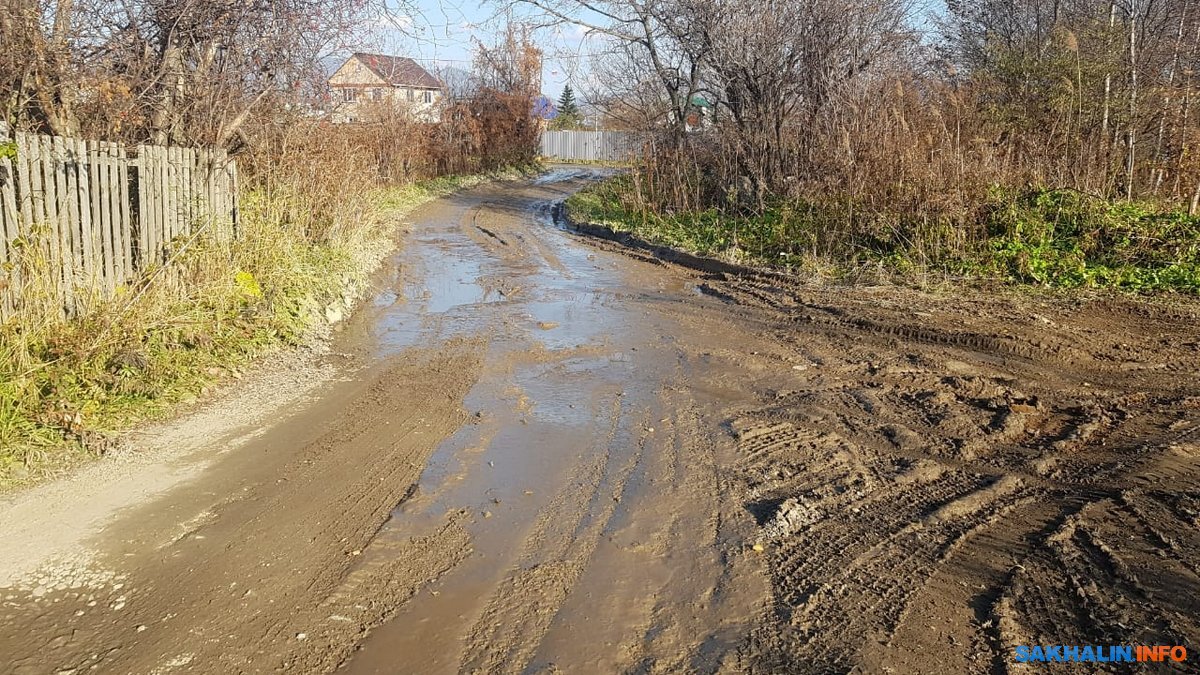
(549, 452)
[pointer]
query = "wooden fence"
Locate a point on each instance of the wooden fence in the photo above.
(98, 214)
(611, 146)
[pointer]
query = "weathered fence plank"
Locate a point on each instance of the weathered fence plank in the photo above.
(164, 213)
(114, 247)
(218, 173)
(124, 210)
(158, 182)
(101, 262)
(82, 198)
(185, 185)
(172, 174)
(17, 229)
(230, 197)
(55, 229)
(69, 199)
(92, 217)
(23, 171)
(148, 174)
(32, 211)
(9, 227)
(105, 189)
(169, 209)
(143, 210)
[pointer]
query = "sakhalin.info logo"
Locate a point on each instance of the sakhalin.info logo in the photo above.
(1098, 653)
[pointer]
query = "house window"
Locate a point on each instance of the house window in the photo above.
(428, 96)
(376, 94)
(349, 95)
(409, 94)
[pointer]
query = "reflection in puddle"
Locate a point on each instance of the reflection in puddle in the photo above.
(565, 388)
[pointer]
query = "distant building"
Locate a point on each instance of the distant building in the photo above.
(375, 79)
(701, 115)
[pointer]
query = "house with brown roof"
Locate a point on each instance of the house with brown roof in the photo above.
(375, 79)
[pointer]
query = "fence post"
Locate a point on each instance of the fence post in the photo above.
(235, 216)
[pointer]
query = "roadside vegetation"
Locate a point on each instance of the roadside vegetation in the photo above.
(1041, 143)
(1054, 238)
(66, 387)
(320, 204)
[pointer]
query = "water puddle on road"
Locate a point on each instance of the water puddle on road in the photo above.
(572, 386)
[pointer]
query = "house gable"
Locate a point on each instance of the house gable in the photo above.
(355, 73)
(376, 70)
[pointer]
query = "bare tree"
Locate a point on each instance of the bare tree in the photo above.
(654, 34)
(777, 64)
(163, 70)
(1120, 50)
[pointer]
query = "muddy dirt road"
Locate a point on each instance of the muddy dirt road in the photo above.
(534, 451)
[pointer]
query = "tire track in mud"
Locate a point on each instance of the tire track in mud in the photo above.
(614, 576)
(945, 478)
(687, 540)
(1075, 342)
(1081, 587)
(554, 554)
(854, 552)
(887, 490)
(667, 590)
(852, 545)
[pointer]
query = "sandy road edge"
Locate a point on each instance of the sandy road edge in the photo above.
(43, 525)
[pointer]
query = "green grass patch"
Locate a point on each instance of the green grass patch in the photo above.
(774, 238)
(1067, 239)
(1051, 238)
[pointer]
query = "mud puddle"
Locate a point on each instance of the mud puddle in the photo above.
(563, 456)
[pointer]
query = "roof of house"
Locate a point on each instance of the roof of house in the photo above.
(399, 71)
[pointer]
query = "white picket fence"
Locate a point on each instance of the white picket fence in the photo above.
(99, 213)
(608, 146)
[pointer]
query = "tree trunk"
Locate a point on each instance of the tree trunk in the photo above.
(1112, 23)
(1133, 93)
